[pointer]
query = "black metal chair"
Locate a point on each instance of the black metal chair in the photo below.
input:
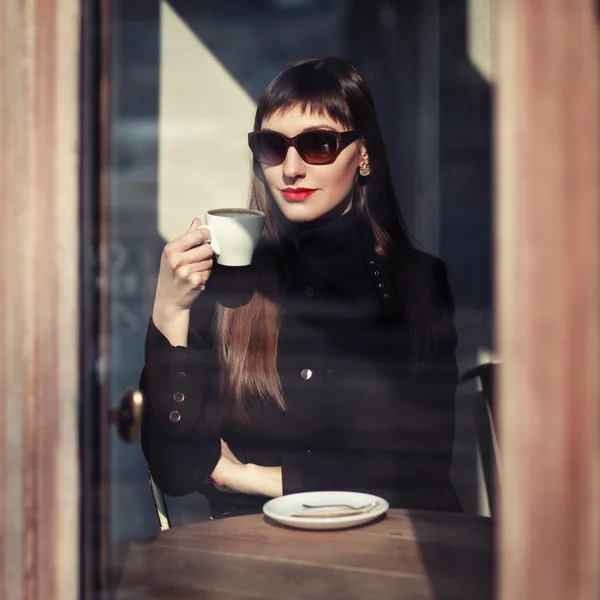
(160, 504)
(483, 414)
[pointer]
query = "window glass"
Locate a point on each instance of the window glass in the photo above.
(185, 81)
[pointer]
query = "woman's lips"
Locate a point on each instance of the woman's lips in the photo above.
(297, 194)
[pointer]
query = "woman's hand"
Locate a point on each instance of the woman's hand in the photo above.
(232, 475)
(185, 267)
(228, 475)
(228, 454)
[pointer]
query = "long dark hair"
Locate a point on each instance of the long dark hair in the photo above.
(247, 336)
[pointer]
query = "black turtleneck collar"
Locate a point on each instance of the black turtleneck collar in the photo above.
(327, 244)
(329, 227)
(328, 259)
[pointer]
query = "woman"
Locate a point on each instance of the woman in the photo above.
(329, 362)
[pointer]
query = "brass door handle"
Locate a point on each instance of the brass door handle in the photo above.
(128, 417)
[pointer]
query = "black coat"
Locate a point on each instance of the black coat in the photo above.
(358, 417)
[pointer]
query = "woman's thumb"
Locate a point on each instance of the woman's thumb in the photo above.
(195, 223)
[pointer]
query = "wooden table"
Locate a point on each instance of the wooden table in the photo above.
(406, 555)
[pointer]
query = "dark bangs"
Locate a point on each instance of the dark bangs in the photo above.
(311, 85)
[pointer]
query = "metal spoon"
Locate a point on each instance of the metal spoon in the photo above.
(370, 504)
(336, 510)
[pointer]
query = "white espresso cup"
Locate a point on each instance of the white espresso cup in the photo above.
(234, 234)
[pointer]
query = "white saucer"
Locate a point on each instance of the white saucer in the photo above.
(281, 509)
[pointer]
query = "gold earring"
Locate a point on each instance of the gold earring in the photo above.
(365, 169)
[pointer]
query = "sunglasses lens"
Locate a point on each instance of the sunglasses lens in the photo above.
(317, 147)
(269, 148)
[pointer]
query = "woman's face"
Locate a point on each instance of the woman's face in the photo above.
(331, 183)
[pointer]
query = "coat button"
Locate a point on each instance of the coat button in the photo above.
(306, 374)
(175, 416)
(371, 262)
(376, 273)
(309, 292)
(178, 397)
(380, 286)
(181, 375)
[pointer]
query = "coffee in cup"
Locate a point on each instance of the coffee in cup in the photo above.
(234, 234)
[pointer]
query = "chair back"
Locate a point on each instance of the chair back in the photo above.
(160, 504)
(483, 414)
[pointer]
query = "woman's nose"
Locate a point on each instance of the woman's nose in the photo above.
(293, 165)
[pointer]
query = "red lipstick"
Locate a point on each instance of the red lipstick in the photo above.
(297, 194)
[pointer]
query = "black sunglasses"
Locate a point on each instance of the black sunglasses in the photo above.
(315, 147)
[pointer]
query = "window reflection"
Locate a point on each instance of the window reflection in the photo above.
(186, 77)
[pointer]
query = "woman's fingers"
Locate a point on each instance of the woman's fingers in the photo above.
(223, 488)
(177, 258)
(198, 279)
(194, 237)
(184, 269)
(186, 266)
(196, 275)
(227, 452)
(200, 254)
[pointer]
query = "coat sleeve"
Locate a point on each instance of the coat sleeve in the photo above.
(418, 466)
(181, 425)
